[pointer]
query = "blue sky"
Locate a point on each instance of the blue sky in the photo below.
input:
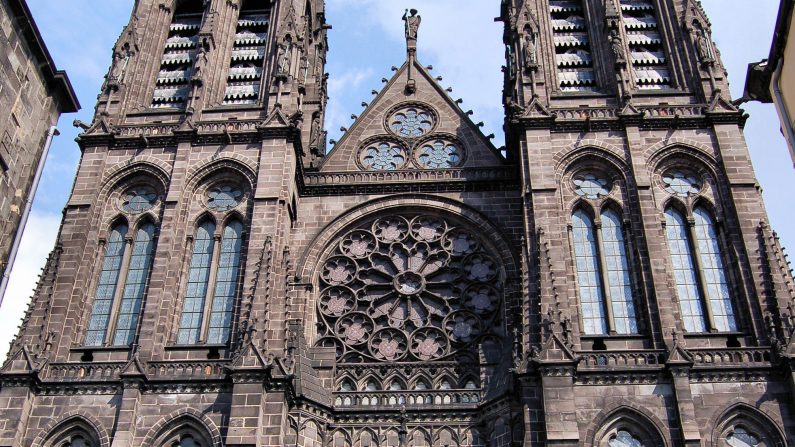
(458, 37)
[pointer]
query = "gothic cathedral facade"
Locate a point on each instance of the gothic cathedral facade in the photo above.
(223, 278)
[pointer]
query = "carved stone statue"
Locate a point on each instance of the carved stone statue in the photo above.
(530, 50)
(283, 67)
(121, 59)
(315, 133)
(617, 46)
(705, 53)
(413, 21)
(198, 66)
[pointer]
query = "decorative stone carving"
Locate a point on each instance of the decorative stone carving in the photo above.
(413, 288)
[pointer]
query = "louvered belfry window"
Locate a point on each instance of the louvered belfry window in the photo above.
(649, 61)
(248, 54)
(173, 82)
(573, 55)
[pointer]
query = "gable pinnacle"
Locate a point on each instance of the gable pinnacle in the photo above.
(413, 21)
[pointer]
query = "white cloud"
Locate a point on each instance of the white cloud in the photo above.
(341, 85)
(37, 242)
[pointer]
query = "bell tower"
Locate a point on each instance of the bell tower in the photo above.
(645, 224)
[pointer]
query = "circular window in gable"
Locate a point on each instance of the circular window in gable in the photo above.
(411, 121)
(440, 153)
(382, 156)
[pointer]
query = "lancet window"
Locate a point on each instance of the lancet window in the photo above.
(172, 86)
(121, 285)
(246, 63)
(573, 55)
(603, 273)
(212, 284)
(647, 50)
(702, 286)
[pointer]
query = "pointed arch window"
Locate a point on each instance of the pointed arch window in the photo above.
(212, 284)
(649, 59)
(121, 287)
(176, 65)
(702, 286)
(603, 274)
(572, 46)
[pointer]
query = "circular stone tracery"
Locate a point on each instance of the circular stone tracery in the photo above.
(407, 288)
(411, 121)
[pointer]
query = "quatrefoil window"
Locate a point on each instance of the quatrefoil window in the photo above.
(383, 156)
(439, 154)
(740, 437)
(138, 199)
(407, 288)
(411, 122)
(591, 185)
(224, 197)
(681, 183)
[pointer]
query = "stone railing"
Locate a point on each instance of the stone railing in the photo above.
(731, 357)
(185, 369)
(468, 174)
(622, 359)
(147, 130)
(228, 126)
(358, 399)
(84, 371)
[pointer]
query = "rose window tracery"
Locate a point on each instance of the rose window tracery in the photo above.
(411, 122)
(681, 183)
(224, 197)
(591, 185)
(439, 154)
(139, 199)
(415, 288)
(383, 156)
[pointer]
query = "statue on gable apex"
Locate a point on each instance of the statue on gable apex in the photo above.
(413, 21)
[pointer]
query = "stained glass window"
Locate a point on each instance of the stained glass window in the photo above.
(588, 278)
(618, 277)
(624, 439)
(740, 437)
(224, 198)
(684, 271)
(383, 156)
(135, 285)
(439, 154)
(138, 200)
(196, 287)
(411, 122)
(106, 286)
(226, 283)
(681, 183)
(591, 186)
(715, 284)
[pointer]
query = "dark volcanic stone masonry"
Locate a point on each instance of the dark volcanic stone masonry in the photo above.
(225, 277)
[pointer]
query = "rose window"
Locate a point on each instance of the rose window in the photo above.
(412, 288)
(439, 154)
(411, 122)
(138, 200)
(224, 197)
(591, 186)
(383, 156)
(681, 183)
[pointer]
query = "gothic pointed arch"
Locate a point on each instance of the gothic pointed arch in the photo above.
(742, 425)
(626, 427)
(74, 430)
(180, 428)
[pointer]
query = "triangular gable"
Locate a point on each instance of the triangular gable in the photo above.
(450, 123)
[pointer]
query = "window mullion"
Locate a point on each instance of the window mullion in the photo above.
(119, 292)
(696, 254)
(607, 300)
(210, 295)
